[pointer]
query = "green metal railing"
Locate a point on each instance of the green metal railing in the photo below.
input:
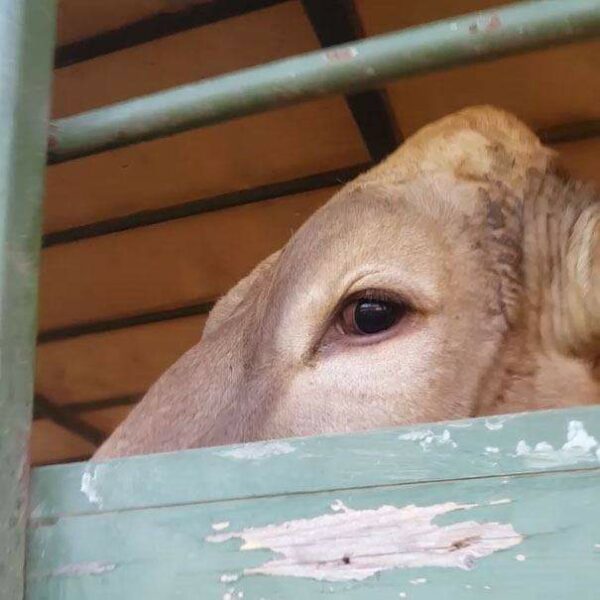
(26, 43)
(350, 67)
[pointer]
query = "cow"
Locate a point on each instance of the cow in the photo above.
(458, 278)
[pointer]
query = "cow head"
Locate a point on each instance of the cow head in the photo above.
(460, 277)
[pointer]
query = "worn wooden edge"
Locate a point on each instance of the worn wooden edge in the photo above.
(524, 537)
(496, 446)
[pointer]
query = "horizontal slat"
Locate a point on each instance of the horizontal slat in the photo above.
(354, 66)
(91, 29)
(164, 553)
(475, 448)
(51, 443)
(117, 363)
(183, 262)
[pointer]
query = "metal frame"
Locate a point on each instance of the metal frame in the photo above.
(346, 68)
(26, 44)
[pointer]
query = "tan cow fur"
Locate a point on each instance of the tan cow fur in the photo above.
(470, 224)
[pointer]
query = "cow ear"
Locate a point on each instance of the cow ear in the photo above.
(563, 246)
(582, 265)
(228, 304)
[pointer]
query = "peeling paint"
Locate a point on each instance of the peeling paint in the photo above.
(89, 481)
(258, 450)
(357, 544)
(229, 577)
(580, 446)
(497, 423)
(82, 569)
(427, 438)
(341, 54)
(338, 505)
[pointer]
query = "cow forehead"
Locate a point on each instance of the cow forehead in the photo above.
(375, 222)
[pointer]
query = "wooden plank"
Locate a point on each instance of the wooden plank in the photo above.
(167, 265)
(26, 42)
(44, 407)
(302, 140)
(138, 23)
(78, 20)
(542, 549)
(106, 419)
(483, 447)
(117, 363)
(531, 85)
(581, 158)
(51, 443)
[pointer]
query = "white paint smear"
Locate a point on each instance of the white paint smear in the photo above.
(338, 505)
(258, 451)
(427, 438)
(82, 569)
(357, 544)
(89, 482)
(497, 423)
(492, 450)
(419, 581)
(501, 501)
(229, 577)
(220, 526)
(579, 447)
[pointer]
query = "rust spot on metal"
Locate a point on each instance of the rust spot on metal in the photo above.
(340, 54)
(494, 23)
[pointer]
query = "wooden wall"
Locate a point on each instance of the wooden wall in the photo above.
(107, 297)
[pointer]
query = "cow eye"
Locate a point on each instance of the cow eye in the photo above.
(368, 316)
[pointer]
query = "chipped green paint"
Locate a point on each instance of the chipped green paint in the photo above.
(451, 510)
(26, 43)
(460, 449)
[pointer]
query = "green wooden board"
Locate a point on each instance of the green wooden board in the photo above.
(26, 44)
(313, 464)
(138, 527)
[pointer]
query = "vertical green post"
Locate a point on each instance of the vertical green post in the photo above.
(26, 48)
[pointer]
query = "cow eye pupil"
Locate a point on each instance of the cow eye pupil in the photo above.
(373, 316)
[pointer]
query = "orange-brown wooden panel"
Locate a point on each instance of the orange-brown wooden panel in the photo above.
(545, 88)
(51, 443)
(276, 146)
(166, 265)
(106, 419)
(581, 158)
(112, 364)
(80, 19)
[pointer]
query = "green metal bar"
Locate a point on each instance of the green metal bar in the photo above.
(350, 67)
(26, 45)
